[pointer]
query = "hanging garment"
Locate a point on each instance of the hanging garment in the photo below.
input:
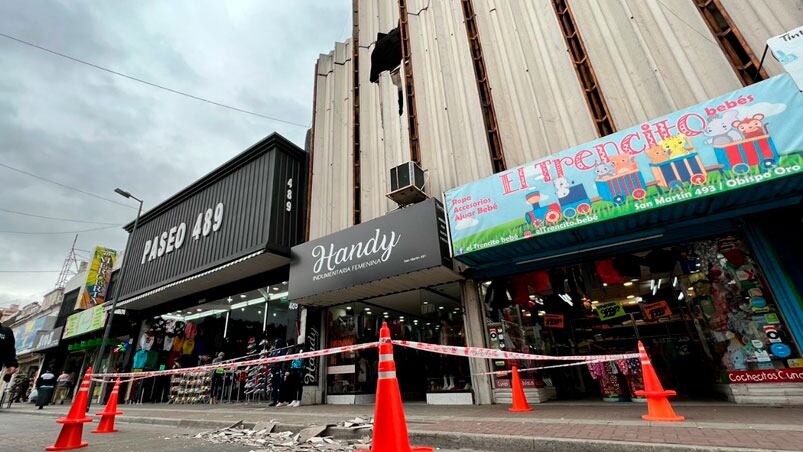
(178, 344)
(608, 274)
(496, 296)
(168, 344)
(190, 330)
(188, 347)
(139, 359)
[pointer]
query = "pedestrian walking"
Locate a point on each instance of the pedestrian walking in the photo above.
(45, 385)
(8, 352)
(63, 386)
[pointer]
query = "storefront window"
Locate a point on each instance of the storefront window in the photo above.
(702, 310)
(432, 315)
(239, 326)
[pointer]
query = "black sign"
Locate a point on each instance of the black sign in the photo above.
(403, 241)
(249, 204)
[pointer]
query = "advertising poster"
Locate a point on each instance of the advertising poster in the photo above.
(747, 137)
(85, 321)
(97, 280)
(788, 50)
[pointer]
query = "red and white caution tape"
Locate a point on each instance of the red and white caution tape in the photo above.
(530, 369)
(233, 365)
(490, 353)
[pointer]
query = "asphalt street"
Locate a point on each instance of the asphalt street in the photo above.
(22, 433)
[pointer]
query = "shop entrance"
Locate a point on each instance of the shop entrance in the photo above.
(702, 309)
(432, 315)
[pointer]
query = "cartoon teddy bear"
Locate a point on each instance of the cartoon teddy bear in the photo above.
(720, 131)
(623, 163)
(656, 154)
(751, 127)
(675, 146)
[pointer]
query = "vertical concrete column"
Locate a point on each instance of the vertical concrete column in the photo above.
(475, 337)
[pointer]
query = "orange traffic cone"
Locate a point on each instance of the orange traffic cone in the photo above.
(658, 407)
(107, 420)
(390, 427)
(520, 404)
(70, 436)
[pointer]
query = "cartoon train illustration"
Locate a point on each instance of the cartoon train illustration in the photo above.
(673, 174)
(616, 188)
(740, 156)
(574, 201)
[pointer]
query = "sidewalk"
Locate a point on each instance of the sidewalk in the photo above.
(552, 426)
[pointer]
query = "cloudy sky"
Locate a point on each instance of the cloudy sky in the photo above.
(96, 131)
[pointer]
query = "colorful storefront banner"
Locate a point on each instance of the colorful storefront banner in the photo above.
(610, 310)
(97, 280)
(788, 50)
(743, 138)
(26, 334)
(85, 321)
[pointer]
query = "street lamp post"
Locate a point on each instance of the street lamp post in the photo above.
(118, 287)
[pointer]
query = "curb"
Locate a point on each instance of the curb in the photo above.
(444, 440)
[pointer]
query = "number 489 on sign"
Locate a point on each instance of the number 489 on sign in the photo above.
(208, 221)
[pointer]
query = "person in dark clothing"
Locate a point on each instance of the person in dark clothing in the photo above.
(8, 352)
(44, 386)
(277, 374)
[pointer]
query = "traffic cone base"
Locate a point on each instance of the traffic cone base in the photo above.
(520, 404)
(106, 424)
(658, 407)
(390, 426)
(73, 424)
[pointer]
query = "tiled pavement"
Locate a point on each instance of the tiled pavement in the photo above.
(707, 425)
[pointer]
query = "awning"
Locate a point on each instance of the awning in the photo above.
(243, 267)
(403, 250)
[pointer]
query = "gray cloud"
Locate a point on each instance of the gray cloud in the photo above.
(96, 131)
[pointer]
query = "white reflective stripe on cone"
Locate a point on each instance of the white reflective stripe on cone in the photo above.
(388, 357)
(388, 374)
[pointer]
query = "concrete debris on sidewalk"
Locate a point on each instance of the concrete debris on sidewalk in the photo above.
(265, 439)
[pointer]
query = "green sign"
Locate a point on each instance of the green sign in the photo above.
(611, 310)
(85, 321)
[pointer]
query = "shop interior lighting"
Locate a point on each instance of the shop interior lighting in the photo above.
(242, 295)
(541, 313)
(595, 302)
(680, 296)
(634, 280)
(675, 282)
(630, 297)
(348, 308)
(628, 283)
(243, 304)
(384, 313)
(199, 309)
(277, 296)
(567, 299)
(201, 315)
(367, 309)
(228, 299)
(604, 284)
(426, 302)
(275, 288)
(440, 307)
(658, 286)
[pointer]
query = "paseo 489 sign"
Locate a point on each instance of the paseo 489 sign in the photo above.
(207, 222)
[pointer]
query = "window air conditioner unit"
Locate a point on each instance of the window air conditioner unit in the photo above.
(407, 184)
